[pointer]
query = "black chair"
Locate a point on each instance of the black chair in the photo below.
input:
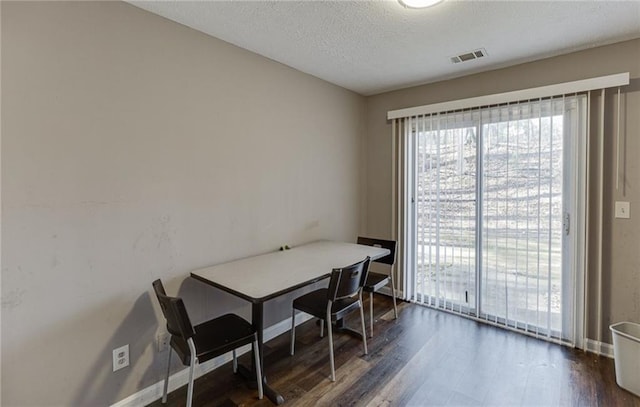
(197, 344)
(376, 281)
(343, 295)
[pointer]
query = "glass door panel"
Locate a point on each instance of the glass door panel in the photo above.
(446, 213)
(522, 216)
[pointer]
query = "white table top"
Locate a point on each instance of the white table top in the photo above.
(259, 278)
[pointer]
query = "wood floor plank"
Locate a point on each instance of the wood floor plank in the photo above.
(423, 358)
(327, 393)
(401, 387)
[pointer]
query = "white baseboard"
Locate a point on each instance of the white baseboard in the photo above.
(599, 348)
(179, 379)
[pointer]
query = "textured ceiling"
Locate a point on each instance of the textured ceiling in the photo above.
(376, 46)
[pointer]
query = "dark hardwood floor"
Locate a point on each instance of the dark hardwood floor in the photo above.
(425, 358)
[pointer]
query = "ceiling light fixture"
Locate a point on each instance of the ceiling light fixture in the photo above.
(419, 3)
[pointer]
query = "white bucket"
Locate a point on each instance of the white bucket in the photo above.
(626, 352)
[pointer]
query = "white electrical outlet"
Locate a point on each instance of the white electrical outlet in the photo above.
(120, 357)
(162, 340)
(622, 210)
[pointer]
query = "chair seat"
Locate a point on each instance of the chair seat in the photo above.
(215, 337)
(315, 303)
(375, 281)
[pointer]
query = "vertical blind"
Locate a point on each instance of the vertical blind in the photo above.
(479, 212)
(489, 213)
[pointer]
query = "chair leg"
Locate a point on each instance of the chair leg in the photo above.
(190, 387)
(166, 379)
(258, 369)
(364, 331)
(322, 328)
(293, 331)
(235, 361)
(194, 360)
(371, 311)
(333, 368)
(393, 296)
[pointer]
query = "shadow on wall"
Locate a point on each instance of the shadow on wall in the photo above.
(101, 384)
(139, 328)
(204, 302)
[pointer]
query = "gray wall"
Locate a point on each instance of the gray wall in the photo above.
(621, 265)
(134, 148)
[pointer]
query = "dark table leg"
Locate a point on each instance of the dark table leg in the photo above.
(257, 318)
(341, 327)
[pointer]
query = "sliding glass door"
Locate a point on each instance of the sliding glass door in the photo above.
(492, 202)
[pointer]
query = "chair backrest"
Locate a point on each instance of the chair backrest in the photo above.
(174, 311)
(347, 281)
(385, 244)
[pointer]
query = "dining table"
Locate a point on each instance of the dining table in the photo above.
(260, 278)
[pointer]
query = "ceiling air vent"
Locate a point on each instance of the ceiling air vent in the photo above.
(469, 56)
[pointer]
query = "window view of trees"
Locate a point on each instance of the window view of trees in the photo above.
(517, 180)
